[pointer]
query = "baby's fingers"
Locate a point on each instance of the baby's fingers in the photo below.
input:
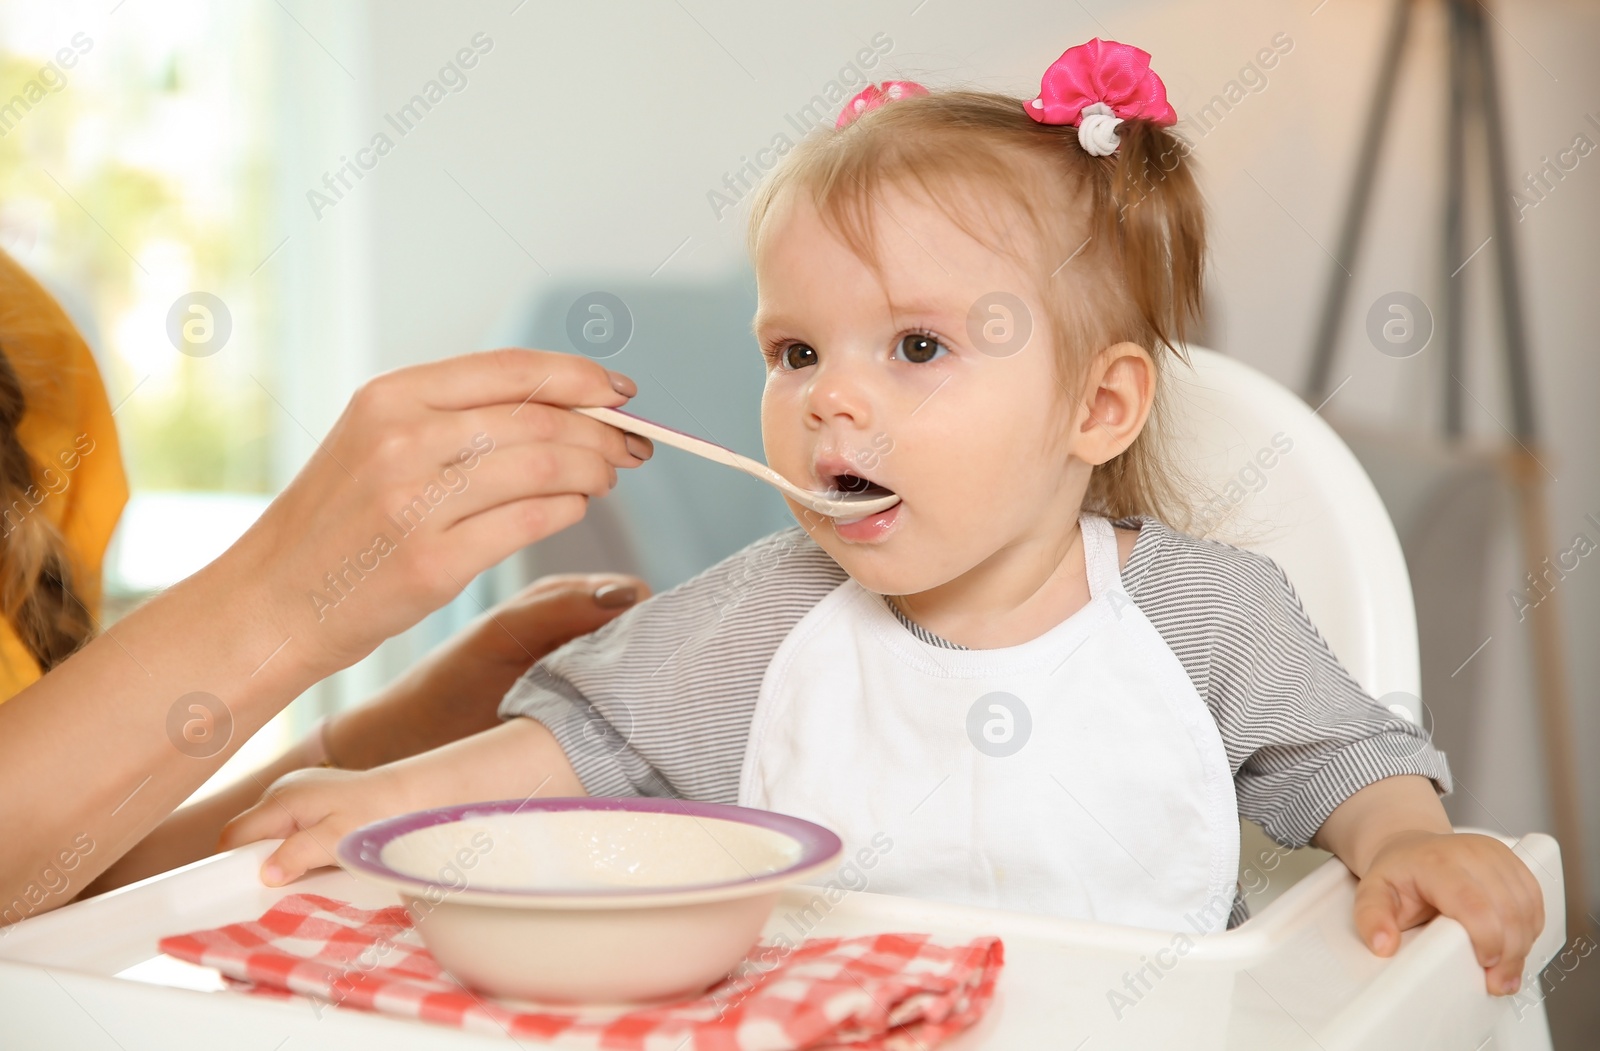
(1495, 920)
(307, 849)
(268, 819)
(1528, 898)
(1377, 915)
(1465, 900)
(1522, 920)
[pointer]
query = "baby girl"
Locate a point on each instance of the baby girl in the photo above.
(1023, 685)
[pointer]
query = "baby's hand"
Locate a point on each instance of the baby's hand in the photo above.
(311, 810)
(1475, 880)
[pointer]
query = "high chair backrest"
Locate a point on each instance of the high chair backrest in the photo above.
(1273, 477)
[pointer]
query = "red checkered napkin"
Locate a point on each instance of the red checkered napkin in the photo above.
(885, 991)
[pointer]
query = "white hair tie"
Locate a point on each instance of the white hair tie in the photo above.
(1097, 130)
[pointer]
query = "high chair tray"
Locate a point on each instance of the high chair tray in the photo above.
(88, 975)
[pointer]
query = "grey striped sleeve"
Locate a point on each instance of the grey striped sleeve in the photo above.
(659, 702)
(1301, 735)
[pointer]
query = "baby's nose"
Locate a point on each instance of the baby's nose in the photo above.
(837, 394)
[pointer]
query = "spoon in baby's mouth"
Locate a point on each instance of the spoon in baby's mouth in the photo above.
(833, 503)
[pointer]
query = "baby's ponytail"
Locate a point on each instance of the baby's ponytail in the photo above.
(1155, 215)
(1105, 95)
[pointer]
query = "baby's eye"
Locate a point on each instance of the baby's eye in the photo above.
(796, 356)
(919, 347)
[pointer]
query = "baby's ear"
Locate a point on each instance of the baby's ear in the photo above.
(1119, 390)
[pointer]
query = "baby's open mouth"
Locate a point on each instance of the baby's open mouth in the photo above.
(855, 483)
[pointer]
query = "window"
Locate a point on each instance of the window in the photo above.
(137, 182)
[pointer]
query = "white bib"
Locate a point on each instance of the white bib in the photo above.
(1078, 774)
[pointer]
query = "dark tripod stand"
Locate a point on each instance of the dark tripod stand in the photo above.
(1475, 93)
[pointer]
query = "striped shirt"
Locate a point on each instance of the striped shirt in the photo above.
(660, 701)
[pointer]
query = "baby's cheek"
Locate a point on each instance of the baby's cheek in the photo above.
(781, 436)
(958, 531)
(961, 477)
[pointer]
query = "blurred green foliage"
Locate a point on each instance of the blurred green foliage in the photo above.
(98, 197)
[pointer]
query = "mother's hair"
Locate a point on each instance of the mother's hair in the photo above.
(37, 595)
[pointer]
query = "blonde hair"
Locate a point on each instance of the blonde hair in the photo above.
(1124, 232)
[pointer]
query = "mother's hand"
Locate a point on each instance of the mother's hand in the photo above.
(433, 474)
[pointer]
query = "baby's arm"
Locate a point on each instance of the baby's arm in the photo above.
(311, 810)
(1394, 835)
(1318, 759)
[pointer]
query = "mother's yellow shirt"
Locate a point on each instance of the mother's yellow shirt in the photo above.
(68, 431)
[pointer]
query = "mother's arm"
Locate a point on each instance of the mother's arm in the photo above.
(432, 474)
(452, 693)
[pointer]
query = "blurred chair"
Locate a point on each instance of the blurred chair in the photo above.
(1268, 474)
(1272, 476)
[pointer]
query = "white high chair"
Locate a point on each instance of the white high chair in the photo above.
(1312, 509)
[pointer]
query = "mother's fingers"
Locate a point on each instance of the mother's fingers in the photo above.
(507, 475)
(495, 534)
(416, 499)
(550, 612)
(417, 451)
(461, 435)
(509, 377)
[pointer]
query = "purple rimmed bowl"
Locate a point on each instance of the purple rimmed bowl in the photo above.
(589, 900)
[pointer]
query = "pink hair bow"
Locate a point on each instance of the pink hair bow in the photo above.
(1098, 85)
(875, 95)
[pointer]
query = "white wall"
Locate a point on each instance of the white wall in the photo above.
(587, 140)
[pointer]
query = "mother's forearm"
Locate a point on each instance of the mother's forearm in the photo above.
(156, 705)
(422, 710)
(448, 695)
